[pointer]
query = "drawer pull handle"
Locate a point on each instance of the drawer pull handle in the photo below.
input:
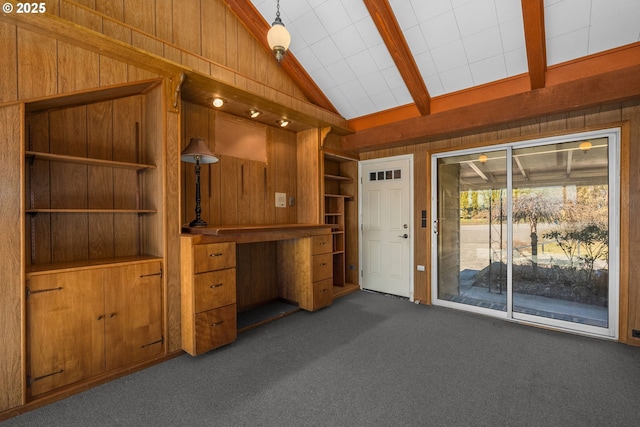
(216, 285)
(47, 375)
(216, 254)
(216, 323)
(151, 274)
(323, 263)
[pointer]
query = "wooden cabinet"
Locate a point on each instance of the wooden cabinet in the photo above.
(85, 322)
(133, 313)
(341, 213)
(94, 233)
(305, 271)
(209, 313)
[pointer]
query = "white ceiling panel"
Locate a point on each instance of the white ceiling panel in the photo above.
(469, 42)
(576, 28)
(338, 39)
(456, 44)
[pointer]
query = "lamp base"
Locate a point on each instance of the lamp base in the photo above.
(198, 223)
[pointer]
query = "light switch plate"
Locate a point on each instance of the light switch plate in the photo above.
(281, 200)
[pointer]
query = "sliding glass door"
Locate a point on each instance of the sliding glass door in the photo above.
(528, 231)
(471, 229)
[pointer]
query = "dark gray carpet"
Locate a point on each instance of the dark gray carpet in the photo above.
(374, 360)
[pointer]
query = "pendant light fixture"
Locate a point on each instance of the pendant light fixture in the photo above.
(278, 37)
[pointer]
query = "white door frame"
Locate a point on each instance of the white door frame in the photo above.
(383, 160)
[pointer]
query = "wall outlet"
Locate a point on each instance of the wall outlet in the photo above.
(281, 200)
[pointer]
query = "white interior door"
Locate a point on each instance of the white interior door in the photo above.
(386, 207)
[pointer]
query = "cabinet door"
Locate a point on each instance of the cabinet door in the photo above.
(133, 313)
(65, 328)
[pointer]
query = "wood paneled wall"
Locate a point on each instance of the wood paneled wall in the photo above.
(239, 191)
(105, 130)
(627, 114)
(201, 34)
(11, 266)
(205, 28)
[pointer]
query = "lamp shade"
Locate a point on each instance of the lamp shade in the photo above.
(197, 150)
(278, 37)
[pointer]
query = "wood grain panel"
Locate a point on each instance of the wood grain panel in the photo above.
(214, 256)
(273, 173)
(100, 179)
(231, 40)
(38, 248)
(257, 275)
(246, 47)
(215, 328)
(37, 65)
(126, 147)
(66, 329)
(164, 20)
(171, 239)
(152, 151)
(9, 55)
(308, 161)
(11, 276)
(214, 289)
(229, 189)
(213, 13)
(133, 313)
(113, 71)
(69, 185)
(352, 263)
(631, 205)
(533, 19)
(214, 176)
(186, 18)
(421, 251)
(141, 15)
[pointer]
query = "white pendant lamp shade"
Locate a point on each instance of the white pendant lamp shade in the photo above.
(278, 37)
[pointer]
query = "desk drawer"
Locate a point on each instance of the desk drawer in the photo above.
(322, 293)
(322, 267)
(214, 289)
(214, 256)
(321, 244)
(215, 328)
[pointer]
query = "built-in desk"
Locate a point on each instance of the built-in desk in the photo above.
(256, 263)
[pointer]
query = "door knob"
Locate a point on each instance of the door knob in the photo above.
(404, 236)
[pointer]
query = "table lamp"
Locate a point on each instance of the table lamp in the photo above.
(197, 152)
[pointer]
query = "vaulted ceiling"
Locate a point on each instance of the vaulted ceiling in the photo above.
(380, 62)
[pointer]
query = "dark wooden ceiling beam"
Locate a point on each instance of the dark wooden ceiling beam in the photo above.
(393, 37)
(255, 23)
(534, 36)
(614, 86)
